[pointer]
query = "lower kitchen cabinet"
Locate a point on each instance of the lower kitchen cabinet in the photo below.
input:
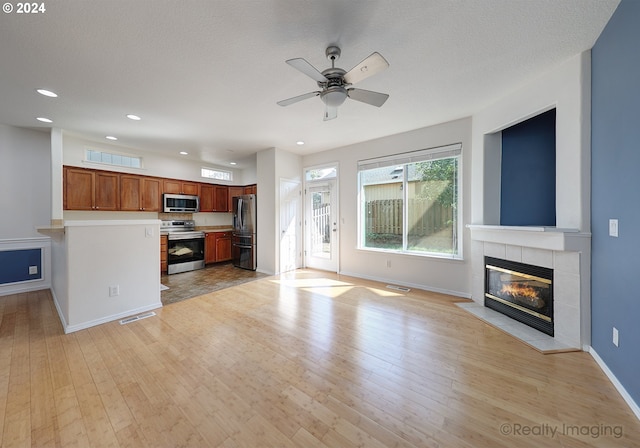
(163, 253)
(209, 247)
(217, 247)
(223, 246)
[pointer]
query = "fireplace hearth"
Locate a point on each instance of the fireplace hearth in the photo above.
(521, 291)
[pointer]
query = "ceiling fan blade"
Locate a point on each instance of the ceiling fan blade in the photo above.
(295, 99)
(371, 65)
(330, 113)
(307, 69)
(367, 96)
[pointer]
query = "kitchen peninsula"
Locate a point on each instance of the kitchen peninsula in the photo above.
(115, 270)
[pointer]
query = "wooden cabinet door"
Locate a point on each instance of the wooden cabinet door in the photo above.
(172, 186)
(233, 192)
(130, 192)
(78, 189)
(151, 194)
(207, 193)
(210, 247)
(190, 188)
(223, 247)
(221, 198)
(250, 189)
(107, 191)
(163, 253)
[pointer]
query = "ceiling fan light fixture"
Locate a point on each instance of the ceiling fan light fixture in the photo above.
(334, 96)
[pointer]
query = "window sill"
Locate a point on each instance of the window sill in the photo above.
(433, 256)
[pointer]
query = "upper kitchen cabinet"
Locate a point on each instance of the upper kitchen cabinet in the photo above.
(86, 189)
(174, 186)
(139, 193)
(213, 198)
(233, 192)
(251, 189)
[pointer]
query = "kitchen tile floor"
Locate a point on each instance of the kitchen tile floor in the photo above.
(202, 281)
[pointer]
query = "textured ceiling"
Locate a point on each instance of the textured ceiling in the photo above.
(205, 75)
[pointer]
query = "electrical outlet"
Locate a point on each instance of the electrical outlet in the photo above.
(114, 290)
(148, 232)
(613, 227)
(33, 270)
(616, 337)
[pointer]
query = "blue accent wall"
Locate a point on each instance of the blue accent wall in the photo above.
(528, 172)
(615, 162)
(14, 265)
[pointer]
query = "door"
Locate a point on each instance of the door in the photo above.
(289, 225)
(321, 230)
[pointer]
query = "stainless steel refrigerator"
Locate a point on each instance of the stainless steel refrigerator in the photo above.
(243, 241)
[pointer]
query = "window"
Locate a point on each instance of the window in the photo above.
(409, 202)
(210, 173)
(329, 172)
(92, 155)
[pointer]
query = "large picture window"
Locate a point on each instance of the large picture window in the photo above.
(409, 202)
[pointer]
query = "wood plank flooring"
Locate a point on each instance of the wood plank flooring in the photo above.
(308, 359)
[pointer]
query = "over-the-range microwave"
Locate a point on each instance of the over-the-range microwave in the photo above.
(183, 203)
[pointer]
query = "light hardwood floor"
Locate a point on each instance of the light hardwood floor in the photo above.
(308, 359)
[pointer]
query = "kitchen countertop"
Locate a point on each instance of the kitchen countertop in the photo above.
(214, 228)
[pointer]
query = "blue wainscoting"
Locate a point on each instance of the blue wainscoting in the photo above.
(16, 256)
(15, 264)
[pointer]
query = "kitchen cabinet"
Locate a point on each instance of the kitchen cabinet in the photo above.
(86, 189)
(233, 192)
(163, 253)
(217, 247)
(223, 246)
(175, 186)
(210, 247)
(213, 198)
(139, 193)
(251, 189)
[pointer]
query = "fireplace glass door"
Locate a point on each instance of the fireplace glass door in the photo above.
(521, 291)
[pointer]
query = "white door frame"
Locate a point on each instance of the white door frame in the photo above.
(332, 265)
(293, 194)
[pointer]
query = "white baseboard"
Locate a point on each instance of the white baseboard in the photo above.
(57, 304)
(625, 395)
(104, 320)
(390, 281)
(25, 286)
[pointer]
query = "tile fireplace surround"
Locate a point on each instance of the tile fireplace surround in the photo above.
(567, 252)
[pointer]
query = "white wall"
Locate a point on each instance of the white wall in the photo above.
(94, 255)
(567, 88)
(272, 165)
(25, 181)
(154, 164)
(449, 276)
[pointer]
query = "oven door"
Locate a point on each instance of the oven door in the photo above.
(184, 253)
(243, 252)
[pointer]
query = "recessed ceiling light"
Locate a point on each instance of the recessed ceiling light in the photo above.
(232, 163)
(133, 117)
(44, 120)
(111, 137)
(299, 143)
(46, 92)
(184, 153)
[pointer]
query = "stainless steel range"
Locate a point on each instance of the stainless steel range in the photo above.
(185, 245)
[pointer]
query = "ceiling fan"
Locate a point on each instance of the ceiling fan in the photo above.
(335, 83)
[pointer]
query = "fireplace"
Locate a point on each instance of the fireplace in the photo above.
(521, 291)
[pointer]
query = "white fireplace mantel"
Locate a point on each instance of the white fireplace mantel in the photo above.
(550, 238)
